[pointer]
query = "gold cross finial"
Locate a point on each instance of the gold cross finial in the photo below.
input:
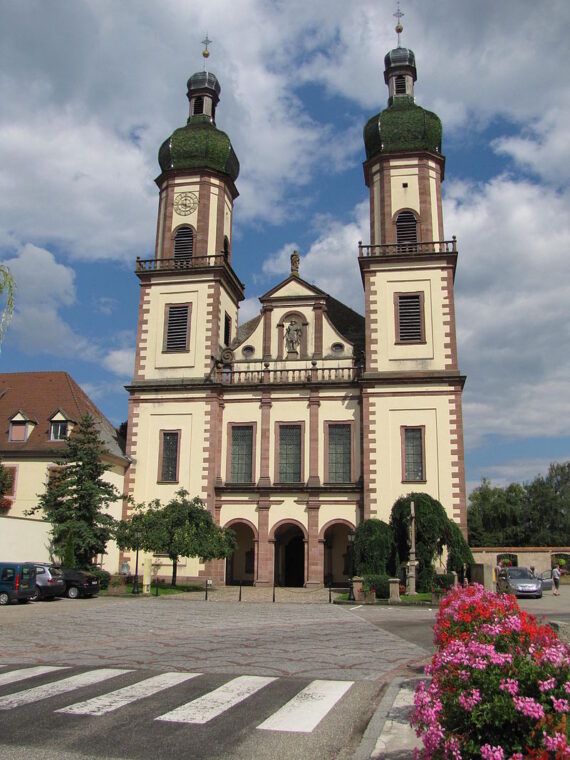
(399, 27)
(206, 52)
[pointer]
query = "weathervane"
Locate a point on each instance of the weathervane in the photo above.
(399, 27)
(206, 52)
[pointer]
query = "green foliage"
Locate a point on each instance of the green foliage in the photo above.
(6, 480)
(7, 289)
(533, 514)
(77, 496)
(432, 529)
(68, 557)
(372, 547)
(103, 575)
(379, 582)
(182, 528)
(442, 581)
(459, 554)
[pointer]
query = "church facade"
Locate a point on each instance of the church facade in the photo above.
(302, 422)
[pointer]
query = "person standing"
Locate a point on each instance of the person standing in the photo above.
(556, 580)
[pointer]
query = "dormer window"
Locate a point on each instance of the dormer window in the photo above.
(58, 430)
(18, 431)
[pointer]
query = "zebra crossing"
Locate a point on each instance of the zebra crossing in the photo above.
(301, 714)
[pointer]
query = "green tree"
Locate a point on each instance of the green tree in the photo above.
(77, 497)
(495, 516)
(372, 547)
(547, 514)
(7, 289)
(182, 528)
(434, 531)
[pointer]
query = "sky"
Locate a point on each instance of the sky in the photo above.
(91, 88)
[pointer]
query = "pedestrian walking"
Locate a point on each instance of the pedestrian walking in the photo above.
(556, 580)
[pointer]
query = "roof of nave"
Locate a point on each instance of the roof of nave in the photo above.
(38, 396)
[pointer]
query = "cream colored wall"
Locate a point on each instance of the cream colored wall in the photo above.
(434, 183)
(186, 415)
(24, 539)
(227, 306)
(386, 355)
(186, 186)
(213, 217)
(404, 197)
(424, 407)
(339, 508)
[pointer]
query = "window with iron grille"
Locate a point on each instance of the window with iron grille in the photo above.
(184, 244)
(406, 229)
(414, 454)
(290, 453)
(339, 453)
(242, 454)
(177, 327)
(169, 456)
(410, 317)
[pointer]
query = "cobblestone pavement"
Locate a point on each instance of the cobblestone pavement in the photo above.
(169, 633)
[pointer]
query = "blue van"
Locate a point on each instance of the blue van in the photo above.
(17, 582)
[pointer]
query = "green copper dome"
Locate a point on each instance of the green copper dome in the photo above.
(200, 144)
(403, 126)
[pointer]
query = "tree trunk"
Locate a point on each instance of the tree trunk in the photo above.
(174, 567)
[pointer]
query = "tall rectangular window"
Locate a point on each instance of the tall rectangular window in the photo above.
(290, 451)
(241, 454)
(10, 480)
(413, 454)
(409, 314)
(339, 453)
(168, 456)
(177, 328)
(227, 330)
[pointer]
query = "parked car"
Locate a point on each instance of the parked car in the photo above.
(17, 582)
(79, 583)
(519, 581)
(49, 581)
(546, 578)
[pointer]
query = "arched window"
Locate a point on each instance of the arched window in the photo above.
(183, 244)
(400, 85)
(406, 230)
(198, 105)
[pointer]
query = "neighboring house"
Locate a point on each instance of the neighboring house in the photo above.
(38, 410)
(299, 424)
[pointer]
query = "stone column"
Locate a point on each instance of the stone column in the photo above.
(315, 548)
(314, 404)
(264, 558)
(264, 477)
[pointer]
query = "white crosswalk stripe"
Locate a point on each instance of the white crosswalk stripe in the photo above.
(108, 702)
(37, 693)
(216, 702)
(306, 710)
(12, 676)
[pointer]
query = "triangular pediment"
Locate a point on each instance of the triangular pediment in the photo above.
(292, 287)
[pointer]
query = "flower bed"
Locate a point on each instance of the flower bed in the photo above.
(499, 687)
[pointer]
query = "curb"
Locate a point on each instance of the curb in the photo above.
(389, 734)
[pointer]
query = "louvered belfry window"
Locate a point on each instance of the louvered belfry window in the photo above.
(242, 450)
(410, 323)
(406, 229)
(400, 85)
(183, 244)
(290, 453)
(178, 318)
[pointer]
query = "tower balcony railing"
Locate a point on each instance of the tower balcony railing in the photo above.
(407, 249)
(265, 375)
(180, 263)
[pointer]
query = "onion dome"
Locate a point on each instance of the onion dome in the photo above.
(200, 144)
(403, 126)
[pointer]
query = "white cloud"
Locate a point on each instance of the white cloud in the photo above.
(120, 361)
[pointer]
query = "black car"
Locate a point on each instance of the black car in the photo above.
(79, 583)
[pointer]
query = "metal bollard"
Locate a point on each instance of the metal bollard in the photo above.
(274, 592)
(239, 600)
(330, 593)
(206, 599)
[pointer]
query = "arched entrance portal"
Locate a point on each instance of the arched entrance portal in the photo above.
(240, 567)
(337, 561)
(289, 556)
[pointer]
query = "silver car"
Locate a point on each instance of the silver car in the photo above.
(519, 581)
(49, 581)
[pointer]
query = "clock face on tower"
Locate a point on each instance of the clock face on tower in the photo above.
(185, 203)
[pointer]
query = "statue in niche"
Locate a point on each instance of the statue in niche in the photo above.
(293, 337)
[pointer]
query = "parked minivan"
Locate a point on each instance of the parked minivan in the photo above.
(17, 582)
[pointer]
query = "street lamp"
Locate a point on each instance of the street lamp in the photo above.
(138, 534)
(350, 547)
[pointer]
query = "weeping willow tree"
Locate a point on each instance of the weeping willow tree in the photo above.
(7, 288)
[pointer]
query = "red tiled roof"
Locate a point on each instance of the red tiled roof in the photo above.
(39, 395)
